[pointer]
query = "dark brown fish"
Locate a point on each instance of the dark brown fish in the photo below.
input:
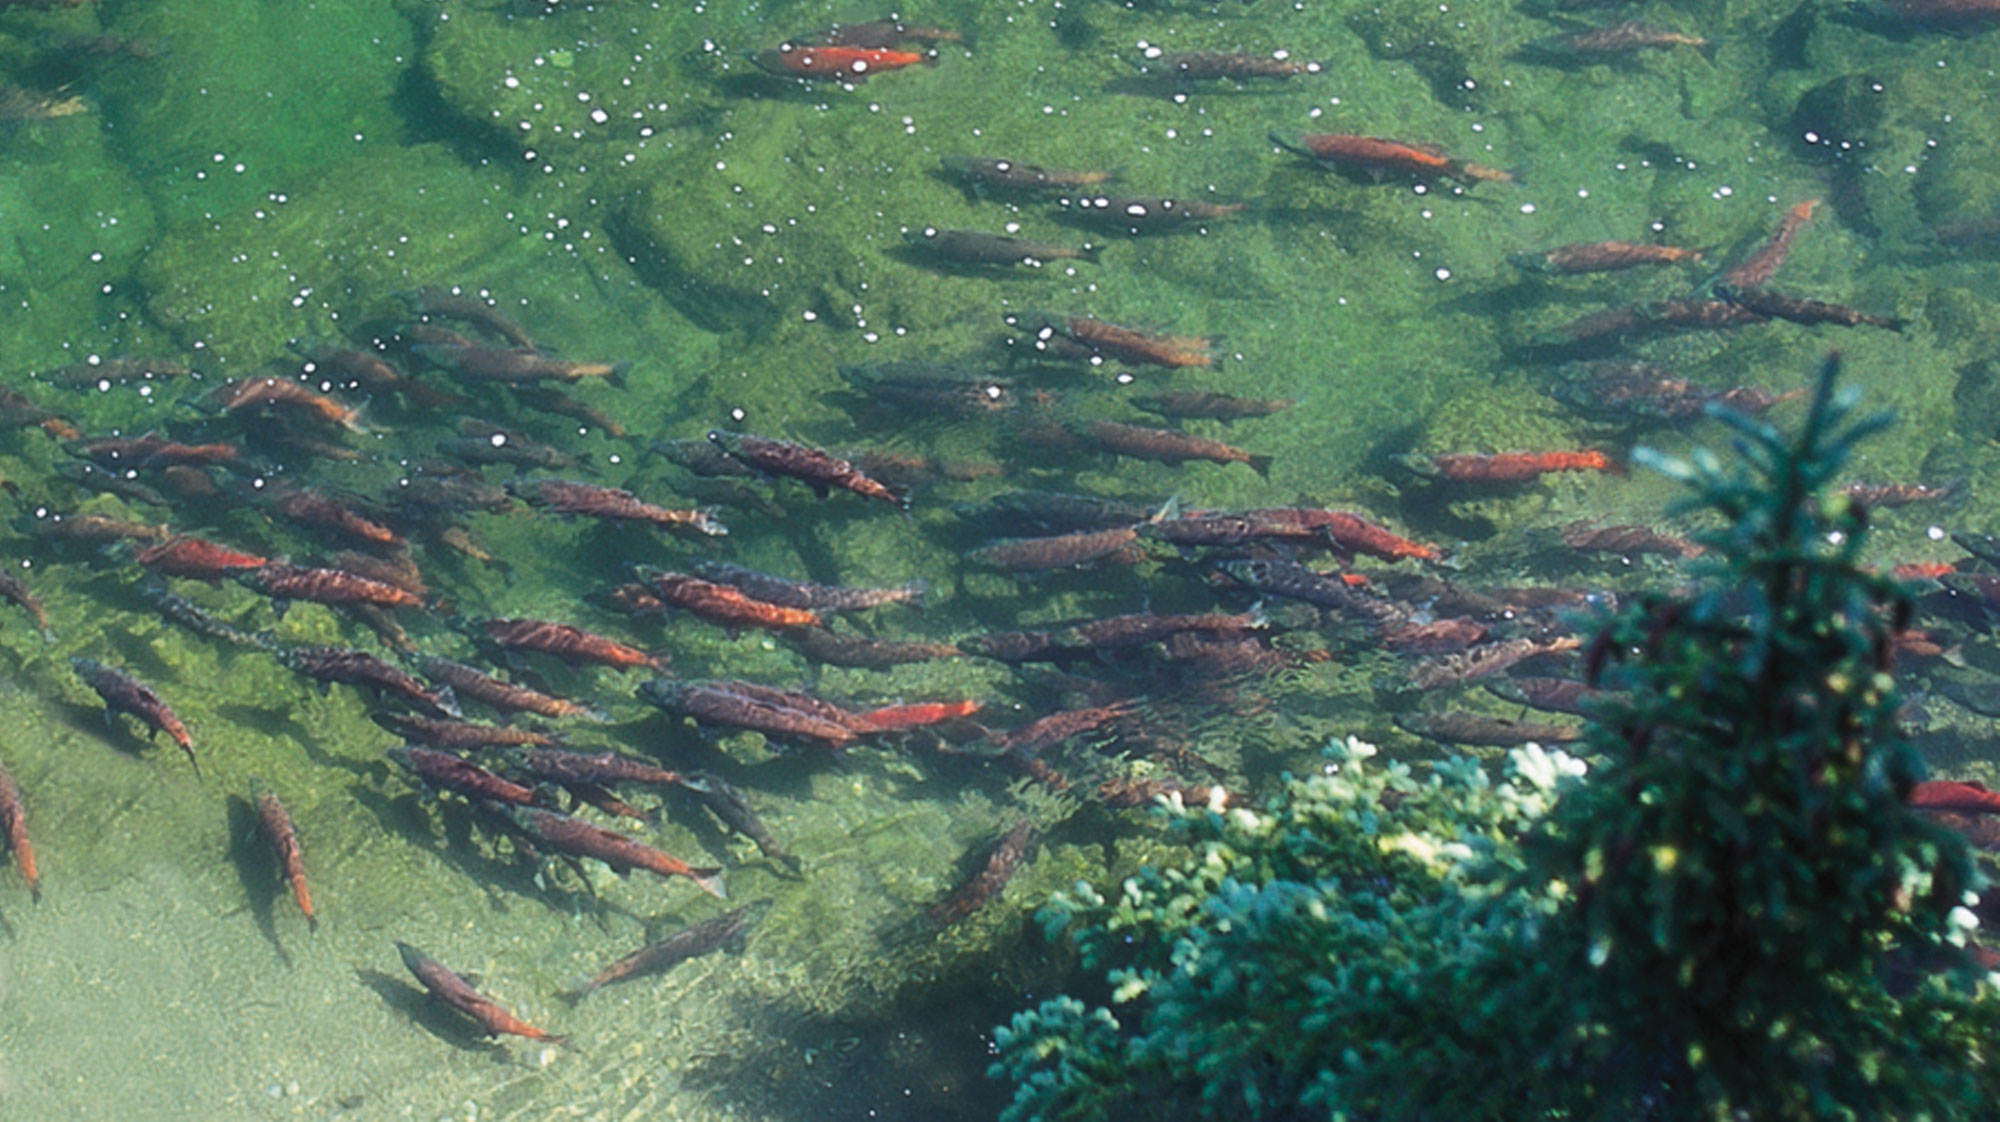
(123, 483)
(1627, 390)
(565, 496)
(497, 693)
(101, 374)
(579, 838)
(284, 837)
(548, 399)
(152, 451)
(437, 488)
(458, 993)
(1553, 695)
(1768, 258)
(1896, 494)
(1798, 309)
(1136, 215)
(999, 173)
(1001, 862)
(713, 934)
(1460, 727)
(15, 591)
(95, 529)
(14, 824)
(478, 309)
(817, 469)
(1019, 646)
(185, 612)
(1104, 340)
(1485, 661)
(1047, 732)
(702, 457)
(904, 472)
(1639, 321)
(1139, 629)
(1624, 38)
(927, 389)
(1226, 529)
(1084, 547)
(369, 371)
(973, 247)
(351, 667)
(723, 604)
(1168, 446)
(1602, 257)
(516, 364)
(722, 703)
(321, 511)
(445, 771)
(728, 804)
(1296, 582)
(284, 583)
(1198, 404)
(18, 411)
(1351, 533)
(806, 594)
(122, 693)
(607, 768)
(1201, 65)
(454, 735)
(483, 443)
(570, 644)
(823, 646)
(1626, 540)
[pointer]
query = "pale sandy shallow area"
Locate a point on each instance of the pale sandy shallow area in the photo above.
(167, 974)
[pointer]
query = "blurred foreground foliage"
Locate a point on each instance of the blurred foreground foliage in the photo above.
(1733, 915)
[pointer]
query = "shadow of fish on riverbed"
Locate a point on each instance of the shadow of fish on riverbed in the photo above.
(250, 853)
(430, 1015)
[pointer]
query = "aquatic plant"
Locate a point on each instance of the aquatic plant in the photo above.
(1702, 929)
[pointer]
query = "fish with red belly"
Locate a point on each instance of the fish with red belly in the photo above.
(277, 823)
(122, 693)
(1382, 156)
(14, 823)
(455, 991)
(579, 838)
(822, 471)
(834, 61)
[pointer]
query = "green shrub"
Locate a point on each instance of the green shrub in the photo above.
(1699, 930)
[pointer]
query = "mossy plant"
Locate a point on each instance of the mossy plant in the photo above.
(1702, 929)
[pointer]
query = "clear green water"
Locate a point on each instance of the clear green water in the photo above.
(281, 171)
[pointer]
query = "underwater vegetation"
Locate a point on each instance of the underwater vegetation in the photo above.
(1733, 911)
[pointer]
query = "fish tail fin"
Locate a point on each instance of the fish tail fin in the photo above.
(916, 592)
(618, 373)
(575, 994)
(356, 420)
(1294, 149)
(1261, 464)
(710, 881)
(312, 923)
(1090, 251)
